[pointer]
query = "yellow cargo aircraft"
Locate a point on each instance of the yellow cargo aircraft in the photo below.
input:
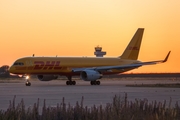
(88, 68)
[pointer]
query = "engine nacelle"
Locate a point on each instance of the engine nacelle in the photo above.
(47, 77)
(90, 75)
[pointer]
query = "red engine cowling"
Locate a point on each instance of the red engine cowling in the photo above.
(47, 77)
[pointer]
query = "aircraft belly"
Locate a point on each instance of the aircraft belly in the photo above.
(32, 70)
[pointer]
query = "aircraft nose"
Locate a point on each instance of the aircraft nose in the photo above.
(10, 69)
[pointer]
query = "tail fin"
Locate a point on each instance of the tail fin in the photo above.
(132, 50)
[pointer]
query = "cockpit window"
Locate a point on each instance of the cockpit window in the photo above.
(18, 63)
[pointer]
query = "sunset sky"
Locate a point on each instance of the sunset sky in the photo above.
(75, 27)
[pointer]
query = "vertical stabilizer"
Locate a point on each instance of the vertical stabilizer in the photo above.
(132, 50)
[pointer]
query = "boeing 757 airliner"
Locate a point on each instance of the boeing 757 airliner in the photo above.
(88, 68)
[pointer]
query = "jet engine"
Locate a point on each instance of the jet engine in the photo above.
(47, 77)
(90, 75)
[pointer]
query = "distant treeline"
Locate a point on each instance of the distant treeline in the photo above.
(155, 75)
(5, 73)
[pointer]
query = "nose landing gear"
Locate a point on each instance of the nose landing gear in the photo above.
(27, 81)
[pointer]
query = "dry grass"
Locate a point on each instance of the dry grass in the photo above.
(169, 85)
(119, 109)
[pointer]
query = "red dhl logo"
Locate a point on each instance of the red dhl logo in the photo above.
(133, 48)
(41, 65)
(48, 65)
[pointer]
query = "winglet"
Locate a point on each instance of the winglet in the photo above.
(166, 58)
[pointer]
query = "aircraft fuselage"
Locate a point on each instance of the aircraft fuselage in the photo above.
(63, 65)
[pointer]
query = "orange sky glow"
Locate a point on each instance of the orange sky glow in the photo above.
(75, 27)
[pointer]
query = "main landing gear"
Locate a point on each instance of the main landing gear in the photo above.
(27, 81)
(95, 82)
(70, 82)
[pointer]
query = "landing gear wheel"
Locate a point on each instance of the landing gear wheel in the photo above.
(27, 81)
(67, 82)
(74, 82)
(92, 82)
(28, 84)
(98, 82)
(95, 82)
(70, 82)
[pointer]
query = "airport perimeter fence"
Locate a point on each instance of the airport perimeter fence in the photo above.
(119, 109)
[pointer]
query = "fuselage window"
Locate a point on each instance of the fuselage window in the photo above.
(19, 63)
(15, 63)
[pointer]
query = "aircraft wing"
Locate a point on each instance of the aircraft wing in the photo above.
(121, 67)
(105, 68)
(156, 62)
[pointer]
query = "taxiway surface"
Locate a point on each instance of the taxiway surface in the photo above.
(54, 91)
